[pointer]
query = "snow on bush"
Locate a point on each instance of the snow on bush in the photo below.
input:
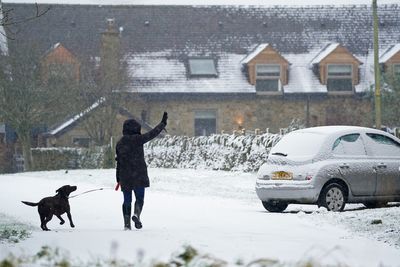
(216, 152)
(55, 158)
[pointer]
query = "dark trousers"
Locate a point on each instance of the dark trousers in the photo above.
(139, 196)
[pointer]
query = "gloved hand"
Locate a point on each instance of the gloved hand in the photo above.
(165, 118)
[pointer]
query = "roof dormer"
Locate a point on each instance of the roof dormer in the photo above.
(266, 69)
(390, 59)
(58, 60)
(337, 68)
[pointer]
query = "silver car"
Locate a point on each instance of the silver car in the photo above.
(331, 166)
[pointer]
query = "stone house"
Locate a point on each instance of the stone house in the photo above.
(224, 68)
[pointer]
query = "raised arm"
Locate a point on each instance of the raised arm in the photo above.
(156, 130)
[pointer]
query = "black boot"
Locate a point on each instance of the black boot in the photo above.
(136, 215)
(126, 211)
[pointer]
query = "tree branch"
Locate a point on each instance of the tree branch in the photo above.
(9, 20)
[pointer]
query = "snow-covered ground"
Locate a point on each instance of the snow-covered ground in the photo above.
(214, 211)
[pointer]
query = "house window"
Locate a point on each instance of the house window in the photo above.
(205, 122)
(61, 70)
(202, 67)
(396, 68)
(340, 78)
(268, 78)
(81, 141)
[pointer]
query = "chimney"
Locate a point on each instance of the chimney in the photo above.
(110, 55)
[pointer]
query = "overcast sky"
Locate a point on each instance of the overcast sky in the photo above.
(209, 2)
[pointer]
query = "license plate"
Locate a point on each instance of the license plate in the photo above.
(281, 175)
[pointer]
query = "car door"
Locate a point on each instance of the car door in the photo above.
(386, 154)
(354, 165)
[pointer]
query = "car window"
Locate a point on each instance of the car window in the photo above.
(299, 145)
(383, 145)
(350, 144)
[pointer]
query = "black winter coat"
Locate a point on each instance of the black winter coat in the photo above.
(131, 166)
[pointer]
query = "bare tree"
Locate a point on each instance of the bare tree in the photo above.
(105, 94)
(8, 17)
(25, 102)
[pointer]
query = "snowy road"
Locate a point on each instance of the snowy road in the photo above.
(216, 212)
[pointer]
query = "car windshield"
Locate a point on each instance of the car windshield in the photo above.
(299, 145)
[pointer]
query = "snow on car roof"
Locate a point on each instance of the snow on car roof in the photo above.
(335, 129)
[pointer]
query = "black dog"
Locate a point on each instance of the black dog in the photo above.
(57, 205)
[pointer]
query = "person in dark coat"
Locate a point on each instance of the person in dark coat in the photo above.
(132, 169)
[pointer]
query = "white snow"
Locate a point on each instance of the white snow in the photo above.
(299, 145)
(208, 2)
(216, 212)
(389, 53)
(329, 48)
(76, 117)
(254, 53)
(157, 73)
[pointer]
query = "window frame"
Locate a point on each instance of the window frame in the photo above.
(396, 69)
(375, 153)
(214, 111)
(340, 77)
(190, 72)
(275, 77)
(81, 138)
(342, 138)
(386, 137)
(61, 69)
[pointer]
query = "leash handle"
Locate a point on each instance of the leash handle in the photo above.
(117, 187)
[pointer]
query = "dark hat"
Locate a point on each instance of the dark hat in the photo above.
(131, 127)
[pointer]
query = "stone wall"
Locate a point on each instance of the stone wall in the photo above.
(254, 112)
(261, 112)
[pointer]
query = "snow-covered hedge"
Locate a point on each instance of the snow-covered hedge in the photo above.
(56, 158)
(216, 152)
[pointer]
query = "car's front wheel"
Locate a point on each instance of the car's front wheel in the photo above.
(333, 197)
(274, 206)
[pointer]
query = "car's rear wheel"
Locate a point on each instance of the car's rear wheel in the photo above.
(333, 197)
(274, 205)
(375, 204)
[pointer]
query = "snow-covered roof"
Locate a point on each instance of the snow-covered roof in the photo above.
(205, 2)
(335, 129)
(226, 28)
(52, 48)
(74, 119)
(329, 48)
(158, 73)
(257, 50)
(389, 53)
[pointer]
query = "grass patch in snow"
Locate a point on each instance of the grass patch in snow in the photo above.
(187, 256)
(12, 231)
